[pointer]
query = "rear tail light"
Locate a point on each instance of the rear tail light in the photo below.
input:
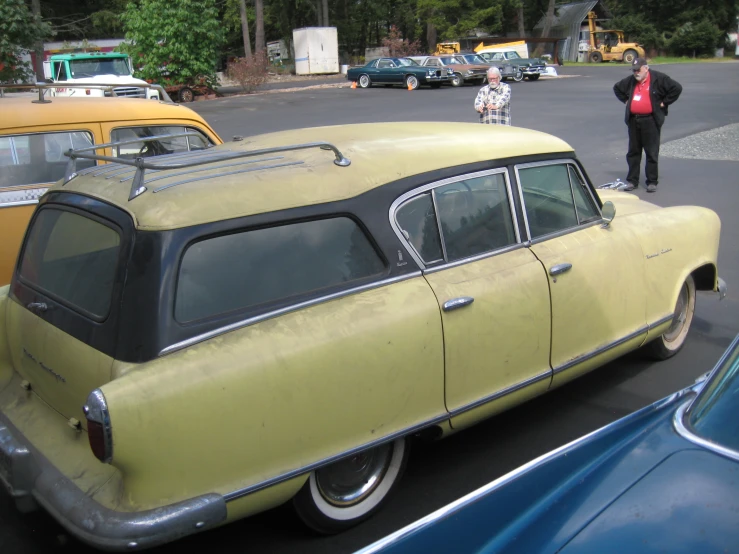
(99, 431)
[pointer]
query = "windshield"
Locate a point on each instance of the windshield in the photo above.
(406, 61)
(92, 67)
(715, 414)
(452, 60)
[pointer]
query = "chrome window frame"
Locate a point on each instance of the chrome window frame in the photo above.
(560, 161)
(373, 64)
(429, 187)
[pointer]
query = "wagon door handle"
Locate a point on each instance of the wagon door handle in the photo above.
(456, 303)
(559, 269)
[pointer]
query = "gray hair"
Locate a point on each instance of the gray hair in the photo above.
(493, 71)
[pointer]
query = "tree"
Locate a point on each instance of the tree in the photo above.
(20, 30)
(245, 28)
(259, 43)
(174, 42)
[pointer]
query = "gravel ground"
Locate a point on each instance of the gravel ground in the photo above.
(717, 144)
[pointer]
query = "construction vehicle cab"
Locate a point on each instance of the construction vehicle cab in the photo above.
(447, 48)
(609, 45)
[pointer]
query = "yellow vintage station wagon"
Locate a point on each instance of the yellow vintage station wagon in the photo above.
(34, 136)
(192, 338)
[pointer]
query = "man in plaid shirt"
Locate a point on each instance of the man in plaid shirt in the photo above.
(493, 102)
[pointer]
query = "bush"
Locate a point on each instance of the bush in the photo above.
(249, 71)
(637, 30)
(701, 39)
(398, 46)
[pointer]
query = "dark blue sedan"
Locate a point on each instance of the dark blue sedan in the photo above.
(398, 71)
(664, 479)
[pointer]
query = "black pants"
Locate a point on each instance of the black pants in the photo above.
(643, 135)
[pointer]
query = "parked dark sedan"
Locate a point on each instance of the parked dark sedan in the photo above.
(663, 479)
(397, 71)
(532, 67)
(507, 69)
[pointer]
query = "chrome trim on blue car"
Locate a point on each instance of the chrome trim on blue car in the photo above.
(679, 423)
(294, 307)
(474, 496)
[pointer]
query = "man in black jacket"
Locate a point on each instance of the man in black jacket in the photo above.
(646, 93)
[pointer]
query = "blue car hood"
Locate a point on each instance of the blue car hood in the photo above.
(688, 503)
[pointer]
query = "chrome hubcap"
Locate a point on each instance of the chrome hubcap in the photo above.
(363, 80)
(681, 314)
(412, 82)
(352, 480)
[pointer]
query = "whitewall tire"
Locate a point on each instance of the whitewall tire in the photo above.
(671, 341)
(349, 491)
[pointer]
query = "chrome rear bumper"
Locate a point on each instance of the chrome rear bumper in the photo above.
(32, 480)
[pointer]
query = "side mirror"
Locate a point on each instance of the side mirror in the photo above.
(609, 212)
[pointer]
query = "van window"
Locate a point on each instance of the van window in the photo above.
(39, 158)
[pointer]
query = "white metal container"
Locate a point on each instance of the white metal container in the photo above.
(316, 50)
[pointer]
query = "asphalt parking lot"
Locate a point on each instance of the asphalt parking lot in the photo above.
(695, 168)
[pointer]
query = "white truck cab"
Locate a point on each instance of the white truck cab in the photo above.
(81, 68)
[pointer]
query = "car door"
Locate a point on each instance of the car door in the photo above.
(595, 273)
(491, 290)
(385, 72)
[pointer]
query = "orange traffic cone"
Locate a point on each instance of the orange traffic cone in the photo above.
(354, 84)
(410, 87)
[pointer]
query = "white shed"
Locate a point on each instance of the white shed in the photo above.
(316, 50)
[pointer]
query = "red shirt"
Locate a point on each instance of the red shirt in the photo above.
(641, 104)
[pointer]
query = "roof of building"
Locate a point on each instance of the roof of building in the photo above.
(24, 115)
(379, 152)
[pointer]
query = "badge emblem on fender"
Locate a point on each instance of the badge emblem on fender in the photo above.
(48, 370)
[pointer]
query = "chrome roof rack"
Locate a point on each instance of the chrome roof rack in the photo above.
(181, 160)
(108, 87)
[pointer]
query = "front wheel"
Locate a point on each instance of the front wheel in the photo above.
(186, 94)
(411, 82)
(364, 81)
(349, 491)
(518, 77)
(668, 344)
(630, 56)
(457, 80)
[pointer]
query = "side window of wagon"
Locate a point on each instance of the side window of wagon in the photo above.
(548, 198)
(255, 267)
(475, 216)
(39, 158)
(158, 147)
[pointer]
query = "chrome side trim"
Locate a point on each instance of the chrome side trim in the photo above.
(21, 197)
(474, 496)
(501, 393)
(601, 350)
(430, 187)
(269, 315)
(12, 204)
(661, 321)
(490, 254)
(206, 177)
(233, 495)
(681, 428)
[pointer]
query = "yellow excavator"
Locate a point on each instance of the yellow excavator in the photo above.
(606, 46)
(447, 48)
